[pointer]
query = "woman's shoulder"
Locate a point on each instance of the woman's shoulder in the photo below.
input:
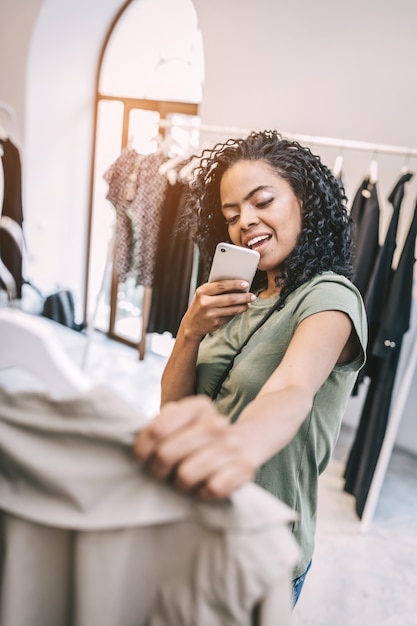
(330, 282)
(328, 290)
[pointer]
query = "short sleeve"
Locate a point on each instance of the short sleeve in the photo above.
(331, 292)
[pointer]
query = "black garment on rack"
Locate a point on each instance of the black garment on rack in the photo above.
(365, 214)
(395, 322)
(12, 207)
(173, 267)
(377, 293)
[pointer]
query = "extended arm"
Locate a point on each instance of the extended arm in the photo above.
(212, 457)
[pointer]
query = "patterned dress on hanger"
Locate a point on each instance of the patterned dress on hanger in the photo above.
(146, 211)
(121, 177)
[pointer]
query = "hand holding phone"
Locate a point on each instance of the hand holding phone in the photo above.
(233, 262)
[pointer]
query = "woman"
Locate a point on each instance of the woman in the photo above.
(287, 388)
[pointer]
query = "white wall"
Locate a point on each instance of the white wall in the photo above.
(16, 24)
(53, 49)
(61, 74)
(329, 68)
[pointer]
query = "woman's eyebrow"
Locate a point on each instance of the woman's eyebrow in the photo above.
(232, 205)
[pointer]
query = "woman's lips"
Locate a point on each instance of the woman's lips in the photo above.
(256, 242)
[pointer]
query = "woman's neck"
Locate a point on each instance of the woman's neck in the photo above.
(273, 287)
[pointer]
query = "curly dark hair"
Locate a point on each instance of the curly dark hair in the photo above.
(325, 241)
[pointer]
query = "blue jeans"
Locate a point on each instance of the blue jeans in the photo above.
(297, 585)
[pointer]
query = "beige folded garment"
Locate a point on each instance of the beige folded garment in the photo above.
(92, 540)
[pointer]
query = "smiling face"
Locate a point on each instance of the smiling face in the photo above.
(261, 212)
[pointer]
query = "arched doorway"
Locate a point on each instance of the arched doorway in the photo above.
(149, 71)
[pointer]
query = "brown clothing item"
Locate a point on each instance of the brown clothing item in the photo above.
(11, 206)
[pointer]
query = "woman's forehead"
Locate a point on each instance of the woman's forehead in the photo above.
(244, 176)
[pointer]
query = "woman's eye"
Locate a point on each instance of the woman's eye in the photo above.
(264, 203)
(232, 220)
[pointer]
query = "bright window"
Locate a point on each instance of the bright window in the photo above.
(156, 52)
(152, 67)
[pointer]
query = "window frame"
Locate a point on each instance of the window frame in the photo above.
(164, 108)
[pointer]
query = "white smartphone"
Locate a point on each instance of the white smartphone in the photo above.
(232, 261)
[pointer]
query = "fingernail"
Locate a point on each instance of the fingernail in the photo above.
(252, 297)
(244, 284)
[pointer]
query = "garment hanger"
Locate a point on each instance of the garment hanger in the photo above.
(8, 281)
(7, 121)
(27, 343)
(3, 134)
(170, 164)
(167, 145)
(406, 167)
(373, 171)
(338, 166)
(176, 151)
(170, 167)
(15, 231)
(186, 172)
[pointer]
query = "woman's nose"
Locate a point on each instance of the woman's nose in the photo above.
(248, 217)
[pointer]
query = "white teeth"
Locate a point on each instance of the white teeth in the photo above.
(256, 240)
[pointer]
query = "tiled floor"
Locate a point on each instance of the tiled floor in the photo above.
(356, 579)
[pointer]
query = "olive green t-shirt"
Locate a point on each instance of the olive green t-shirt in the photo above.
(292, 474)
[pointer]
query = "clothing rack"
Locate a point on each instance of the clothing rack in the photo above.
(348, 144)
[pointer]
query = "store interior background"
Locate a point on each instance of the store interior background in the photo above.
(329, 68)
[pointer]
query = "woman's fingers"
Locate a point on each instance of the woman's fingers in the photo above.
(214, 304)
(216, 469)
(223, 482)
(183, 443)
(224, 287)
(180, 428)
(227, 294)
(192, 444)
(173, 416)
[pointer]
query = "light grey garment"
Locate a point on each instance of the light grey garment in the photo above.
(89, 539)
